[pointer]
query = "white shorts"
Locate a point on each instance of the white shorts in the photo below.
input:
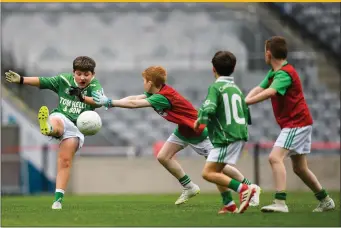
(203, 148)
(297, 140)
(70, 129)
(227, 155)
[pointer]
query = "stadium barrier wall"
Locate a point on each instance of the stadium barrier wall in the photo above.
(11, 170)
(117, 170)
(115, 175)
(31, 142)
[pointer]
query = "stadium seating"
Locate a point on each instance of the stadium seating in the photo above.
(124, 43)
(320, 19)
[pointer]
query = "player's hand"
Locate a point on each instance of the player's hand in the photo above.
(101, 99)
(196, 125)
(77, 92)
(12, 77)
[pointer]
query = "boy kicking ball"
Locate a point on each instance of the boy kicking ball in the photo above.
(74, 92)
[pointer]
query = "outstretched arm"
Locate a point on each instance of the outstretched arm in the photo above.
(14, 77)
(101, 99)
(140, 103)
(136, 97)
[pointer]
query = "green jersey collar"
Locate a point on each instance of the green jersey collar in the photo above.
(225, 79)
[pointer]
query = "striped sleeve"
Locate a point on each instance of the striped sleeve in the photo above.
(209, 106)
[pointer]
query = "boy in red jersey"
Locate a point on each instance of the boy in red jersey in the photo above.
(173, 107)
(282, 84)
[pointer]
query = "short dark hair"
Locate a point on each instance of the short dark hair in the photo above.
(224, 62)
(277, 45)
(84, 63)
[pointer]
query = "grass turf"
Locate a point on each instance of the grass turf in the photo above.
(159, 210)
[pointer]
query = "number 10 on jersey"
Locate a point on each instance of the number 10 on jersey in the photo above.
(233, 107)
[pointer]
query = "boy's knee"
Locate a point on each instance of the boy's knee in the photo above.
(299, 170)
(205, 174)
(161, 158)
(56, 121)
(277, 155)
(57, 125)
(274, 158)
(299, 164)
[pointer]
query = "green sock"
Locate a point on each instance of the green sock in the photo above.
(246, 181)
(58, 196)
(227, 197)
(280, 195)
(234, 185)
(321, 194)
(184, 180)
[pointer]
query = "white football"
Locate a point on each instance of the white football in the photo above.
(89, 122)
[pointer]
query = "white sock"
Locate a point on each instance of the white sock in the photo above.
(189, 185)
(60, 190)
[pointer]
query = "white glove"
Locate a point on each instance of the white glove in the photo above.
(12, 77)
(101, 99)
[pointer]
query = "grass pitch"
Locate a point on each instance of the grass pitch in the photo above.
(159, 210)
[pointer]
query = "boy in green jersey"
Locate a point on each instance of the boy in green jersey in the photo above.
(175, 108)
(226, 115)
(74, 92)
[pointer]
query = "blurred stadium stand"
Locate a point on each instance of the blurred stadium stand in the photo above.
(320, 21)
(43, 39)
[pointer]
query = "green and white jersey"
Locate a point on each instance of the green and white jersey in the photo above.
(225, 113)
(69, 105)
